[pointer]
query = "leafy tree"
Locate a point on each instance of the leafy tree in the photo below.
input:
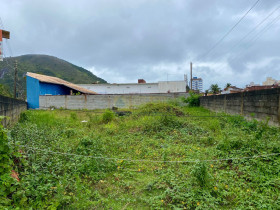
(215, 89)
(4, 91)
(228, 85)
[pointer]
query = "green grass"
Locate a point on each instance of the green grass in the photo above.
(156, 132)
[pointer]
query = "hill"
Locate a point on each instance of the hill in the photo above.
(43, 64)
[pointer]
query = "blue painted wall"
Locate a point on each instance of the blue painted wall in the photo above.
(53, 89)
(32, 89)
(35, 89)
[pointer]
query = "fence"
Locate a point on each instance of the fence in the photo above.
(11, 109)
(259, 104)
(104, 101)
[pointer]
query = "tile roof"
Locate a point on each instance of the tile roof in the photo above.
(55, 80)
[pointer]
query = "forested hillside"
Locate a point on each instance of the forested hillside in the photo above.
(43, 64)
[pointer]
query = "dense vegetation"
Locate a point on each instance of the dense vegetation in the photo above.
(43, 64)
(5, 91)
(58, 165)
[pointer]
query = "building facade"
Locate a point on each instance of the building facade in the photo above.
(38, 85)
(197, 84)
(271, 81)
(136, 88)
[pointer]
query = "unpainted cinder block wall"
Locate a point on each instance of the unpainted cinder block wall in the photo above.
(11, 109)
(259, 104)
(91, 102)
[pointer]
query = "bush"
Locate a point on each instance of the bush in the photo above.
(23, 117)
(108, 116)
(192, 100)
(6, 181)
(201, 175)
(159, 109)
(73, 116)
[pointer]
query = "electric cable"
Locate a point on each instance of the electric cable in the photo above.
(232, 28)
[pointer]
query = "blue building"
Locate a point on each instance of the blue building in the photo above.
(38, 84)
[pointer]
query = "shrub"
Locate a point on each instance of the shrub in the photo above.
(192, 100)
(201, 174)
(23, 117)
(159, 109)
(6, 181)
(73, 116)
(108, 116)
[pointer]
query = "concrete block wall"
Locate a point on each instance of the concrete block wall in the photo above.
(11, 109)
(104, 101)
(259, 104)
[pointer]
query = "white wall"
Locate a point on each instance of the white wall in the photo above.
(172, 86)
(132, 88)
(122, 88)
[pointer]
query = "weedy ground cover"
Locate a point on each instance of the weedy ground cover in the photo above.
(96, 159)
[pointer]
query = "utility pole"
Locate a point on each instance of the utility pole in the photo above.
(191, 75)
(15, 82)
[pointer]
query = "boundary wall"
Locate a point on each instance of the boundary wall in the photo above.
(259, 104)
(105, 101)
(11, 109)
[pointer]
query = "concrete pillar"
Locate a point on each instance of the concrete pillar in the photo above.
(278, 108)
(242, 104)
(225, 102)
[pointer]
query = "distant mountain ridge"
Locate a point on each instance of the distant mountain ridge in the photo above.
(43, 64)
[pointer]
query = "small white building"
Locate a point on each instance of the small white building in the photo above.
(140, 87)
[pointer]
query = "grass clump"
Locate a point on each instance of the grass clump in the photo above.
(107, 116)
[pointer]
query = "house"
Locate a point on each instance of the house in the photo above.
(271, 81)
(38, 84)
(231, 89)
(260, 87)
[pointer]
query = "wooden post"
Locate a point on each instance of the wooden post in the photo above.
(242, 103)
(279, 108)
(225, 102)
(191, 74)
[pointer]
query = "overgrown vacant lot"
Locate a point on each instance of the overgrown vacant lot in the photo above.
(61, 164)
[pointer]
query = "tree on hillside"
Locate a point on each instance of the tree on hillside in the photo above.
(215, 89)
(4, 91)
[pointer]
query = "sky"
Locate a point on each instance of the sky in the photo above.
(123, 41)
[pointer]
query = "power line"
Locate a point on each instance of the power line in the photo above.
(238, 43)
(257, 36)
(235, 25)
